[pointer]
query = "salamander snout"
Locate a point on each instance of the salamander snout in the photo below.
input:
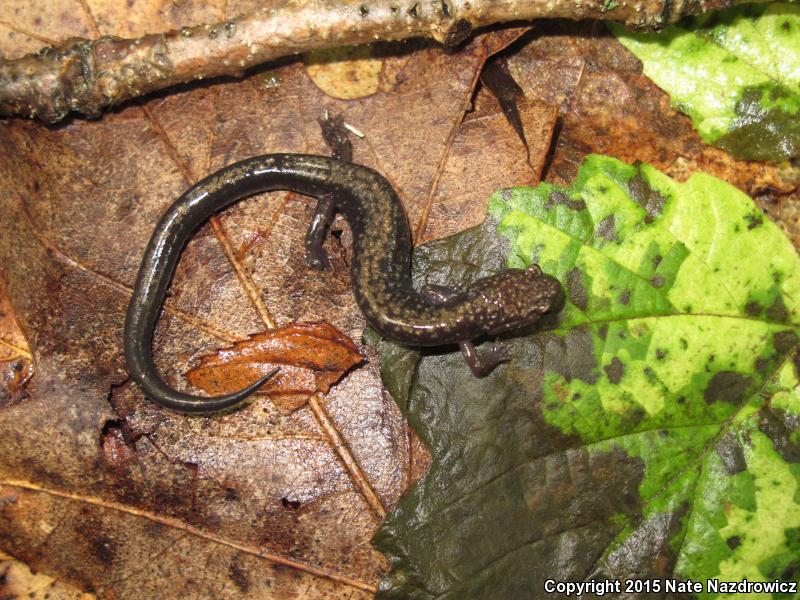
(516, 298)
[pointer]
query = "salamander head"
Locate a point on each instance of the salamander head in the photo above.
(516, 298)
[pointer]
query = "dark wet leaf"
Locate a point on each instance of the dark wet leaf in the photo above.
(653, 431)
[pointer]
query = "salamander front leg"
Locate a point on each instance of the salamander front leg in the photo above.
(479, 365)
(483, 365)
(316, 257)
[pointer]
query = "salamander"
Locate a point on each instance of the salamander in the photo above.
(381, 269)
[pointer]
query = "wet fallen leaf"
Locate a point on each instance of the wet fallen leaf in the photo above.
(311, 356)
(649, 432)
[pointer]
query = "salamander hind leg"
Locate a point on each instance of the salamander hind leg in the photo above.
(483, 365)
(316, 257)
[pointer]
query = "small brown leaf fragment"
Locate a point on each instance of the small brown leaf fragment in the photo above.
(17, 580)
(311, 356)
(16, 365)
(117, 451)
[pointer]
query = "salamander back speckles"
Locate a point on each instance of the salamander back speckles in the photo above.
(381, 267)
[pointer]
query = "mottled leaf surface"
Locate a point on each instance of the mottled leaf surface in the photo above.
(651, 430)
(736, 74)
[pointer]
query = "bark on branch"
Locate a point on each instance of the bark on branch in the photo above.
(88, 76)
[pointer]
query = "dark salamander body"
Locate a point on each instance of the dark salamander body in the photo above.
(381, 268)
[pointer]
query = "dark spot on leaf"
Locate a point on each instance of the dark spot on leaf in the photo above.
(762, 132)
(727, 386)
(786, 26)
(789, 573)
(778, 312)
(754, 219)
(681, 400)
(684, 344)
(239, 576)
(577, 292)
(661, 354)
(606, 229)
(733, 542)
(637, 415)
(784, 341)
(645, 196)
(559, 197)
(657, 260)
(752, 308)
(603, 331)
(615, 370)
(363, 10)
(231, 494)
(657, 281)
(731, 453)
(572, 355)
(102, 547)
(761, 364)
(779, 426)
(625, 297)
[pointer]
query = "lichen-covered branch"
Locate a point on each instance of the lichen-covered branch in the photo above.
(88, 76)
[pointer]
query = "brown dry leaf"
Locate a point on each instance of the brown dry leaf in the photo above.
(103, 489)
(311, 356)
(16, 364)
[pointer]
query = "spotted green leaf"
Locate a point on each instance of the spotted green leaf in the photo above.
(735, 73)
(651, 429)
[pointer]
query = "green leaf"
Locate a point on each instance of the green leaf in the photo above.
(651, 430)
(735, 73)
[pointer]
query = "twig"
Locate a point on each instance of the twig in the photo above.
(88, 76)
